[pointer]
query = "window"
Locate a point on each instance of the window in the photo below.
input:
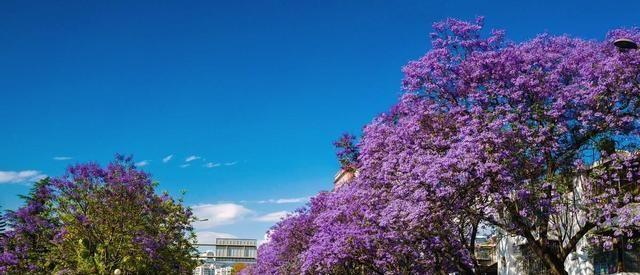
(617, 260)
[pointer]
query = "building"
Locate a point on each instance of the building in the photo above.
(228, 251)
(205, 269)
(224, 270)
(485, 253)
(225, 253)
(343, 176)
(236, 250)
(210, 268)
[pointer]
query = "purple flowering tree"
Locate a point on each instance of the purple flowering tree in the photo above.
(25, 244)
(105, 219)
(288, 240)
(513, 136)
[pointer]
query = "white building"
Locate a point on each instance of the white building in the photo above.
(205, 269)
(225, 253)
(236, 250)
(212, 269)
(224, 270)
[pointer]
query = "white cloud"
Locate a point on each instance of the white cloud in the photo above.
(20, 176)
(219, 214)
(265, 239)
(62, 158)
(230, 163)
(142, 163)
(286, 200)
(167, 158)
(192, 158)
(185, 165)
(209, 237)
(292, 200)
(212, 165)
(272, 217)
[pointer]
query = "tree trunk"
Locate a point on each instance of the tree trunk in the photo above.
(549, 258)
(555, 266)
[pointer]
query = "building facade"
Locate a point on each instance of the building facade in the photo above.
(342, 177)
(226, 252)
(205, 269)
(236, 250)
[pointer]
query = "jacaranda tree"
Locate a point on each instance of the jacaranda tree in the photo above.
(489, 133)
(93, 220)
(26, 244)
(288, 240)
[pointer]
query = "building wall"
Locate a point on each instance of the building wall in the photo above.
(226, 253)
(343, 177)
(510, 260)
(224, 270)
(236, 250)
(579, 262)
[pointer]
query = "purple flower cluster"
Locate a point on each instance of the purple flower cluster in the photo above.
(488, 133)
(31, 227)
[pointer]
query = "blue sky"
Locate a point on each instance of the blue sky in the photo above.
(246, 97)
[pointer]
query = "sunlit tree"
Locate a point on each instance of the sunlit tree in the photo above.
(93, 220)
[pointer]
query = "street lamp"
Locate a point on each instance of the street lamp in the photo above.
(625, 44)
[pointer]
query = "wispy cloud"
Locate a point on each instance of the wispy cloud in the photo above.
(213, 215)
(285, 200)
(20, 176)
(62, 158)
(143, 163)
(192, 158)
(272, 217)
(266, 238)
(211, 165)
(167, 158)
(209, 237)
(185, 165)
(230, 163)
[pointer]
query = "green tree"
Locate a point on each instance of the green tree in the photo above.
(237, 268)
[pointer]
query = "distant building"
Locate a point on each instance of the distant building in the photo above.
(236, 250)
(210, 268)
(224, 270)
(225, 253)
(343, 176)
(485, 253)
(205, 269)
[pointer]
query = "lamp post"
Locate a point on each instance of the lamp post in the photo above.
(625, 44)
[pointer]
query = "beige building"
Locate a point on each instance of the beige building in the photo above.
(343, 176)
